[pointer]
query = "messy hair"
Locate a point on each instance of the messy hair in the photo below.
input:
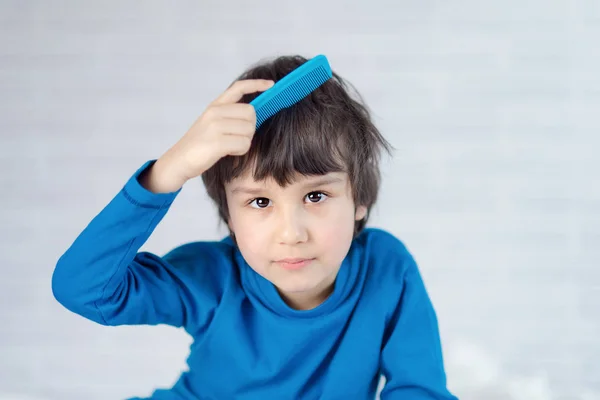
(327, 131)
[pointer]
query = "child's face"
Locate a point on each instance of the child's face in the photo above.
(311, 219)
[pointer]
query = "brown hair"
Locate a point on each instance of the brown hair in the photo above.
(327, 131)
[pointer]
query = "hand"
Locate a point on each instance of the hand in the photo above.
(225, 128)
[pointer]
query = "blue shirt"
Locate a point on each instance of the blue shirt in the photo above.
(248, 343)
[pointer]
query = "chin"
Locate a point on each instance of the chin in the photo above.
(295, 287)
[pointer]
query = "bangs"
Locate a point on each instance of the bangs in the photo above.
(302, 139)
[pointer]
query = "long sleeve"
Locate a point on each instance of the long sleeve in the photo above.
(104, 278)
(411, 359)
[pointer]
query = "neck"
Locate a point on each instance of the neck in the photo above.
(309, 300)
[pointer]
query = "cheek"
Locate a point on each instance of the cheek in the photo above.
(251, 239)
(335, 232)
(245, 230)
(251, 246)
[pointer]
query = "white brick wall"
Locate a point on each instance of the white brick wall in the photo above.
(494, 110)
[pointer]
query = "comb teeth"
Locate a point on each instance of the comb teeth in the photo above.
(292, 88)
(292, 94)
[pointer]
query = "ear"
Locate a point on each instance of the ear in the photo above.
(360, 213)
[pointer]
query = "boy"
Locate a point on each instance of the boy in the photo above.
(301, 300)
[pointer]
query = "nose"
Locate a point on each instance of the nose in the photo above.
(291, 227)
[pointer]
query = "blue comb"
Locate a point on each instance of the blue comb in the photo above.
(292, 88)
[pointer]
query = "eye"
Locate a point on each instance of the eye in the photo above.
(260, 202)
(316, 197)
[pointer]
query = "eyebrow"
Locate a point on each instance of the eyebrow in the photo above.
(326, 180)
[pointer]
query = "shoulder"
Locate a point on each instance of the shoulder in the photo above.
(202, 259)
(386, 255)
(217, 251)
(385, 238)
(391, 272)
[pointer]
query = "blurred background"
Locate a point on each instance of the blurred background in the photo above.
(493, 107)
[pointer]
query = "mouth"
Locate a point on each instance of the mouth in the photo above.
(294, 263)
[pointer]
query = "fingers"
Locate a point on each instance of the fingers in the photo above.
(240, 111)
(238, 127)
(239, 88)
(235, 145)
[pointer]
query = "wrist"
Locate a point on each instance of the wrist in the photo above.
(162, 177)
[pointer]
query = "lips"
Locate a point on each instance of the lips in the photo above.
(294, 263)
(292, 260)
